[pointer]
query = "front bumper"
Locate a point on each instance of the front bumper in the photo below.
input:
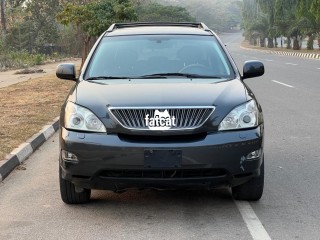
(113, 163)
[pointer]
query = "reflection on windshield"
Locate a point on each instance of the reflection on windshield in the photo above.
(182, 55)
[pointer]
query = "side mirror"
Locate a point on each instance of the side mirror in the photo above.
(252, 69)
(66, 71)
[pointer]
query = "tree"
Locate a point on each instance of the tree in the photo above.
(218, 15)
(259, 28)
(307, 21)
(286, 21)
(268, 7)
(95, 17)
(155, 12)
(3, 18)
(15, 3)
(315, 9)
(42, 16)
(250, 13)
(32, 24)
(291, 18)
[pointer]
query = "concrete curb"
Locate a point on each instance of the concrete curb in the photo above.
(20, 154)
(293, 54)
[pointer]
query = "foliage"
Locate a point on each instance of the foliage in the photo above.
(31, 24)
(254, 29)
(315, 9)
(293, 19)
(155, 12)
(15, 3)
(95, 17)
(19, 59)
(41, 15)
(286, 21)
(218, 15)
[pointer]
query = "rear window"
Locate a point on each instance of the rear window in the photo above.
(134, 56)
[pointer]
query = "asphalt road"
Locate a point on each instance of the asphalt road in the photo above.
(30, 205)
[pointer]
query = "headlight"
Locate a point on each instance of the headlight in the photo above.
(80, 118)
(243, 116)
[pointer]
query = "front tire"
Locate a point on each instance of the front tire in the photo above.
(69, 194)
(251, 190)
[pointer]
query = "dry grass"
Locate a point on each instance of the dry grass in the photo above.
(25, 107)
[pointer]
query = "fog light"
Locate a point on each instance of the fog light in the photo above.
(68, 156)
(254, 154)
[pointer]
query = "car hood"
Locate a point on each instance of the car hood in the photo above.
(98, 96)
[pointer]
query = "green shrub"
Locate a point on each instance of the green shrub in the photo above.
(39, 59)
(13, 59)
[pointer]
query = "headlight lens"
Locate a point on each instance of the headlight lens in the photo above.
(243, 116)
(80, 118)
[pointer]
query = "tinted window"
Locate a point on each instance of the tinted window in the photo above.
(133, 56)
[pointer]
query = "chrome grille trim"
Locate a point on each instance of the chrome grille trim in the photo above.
(187, 118)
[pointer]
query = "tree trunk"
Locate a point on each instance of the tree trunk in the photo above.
(310, 42)
(3, 18)
(270, 43)
(85, 49)
(289, 43)
(319, 43)
(296, 45)
(275, 42)
(262, 42)
(251, 41)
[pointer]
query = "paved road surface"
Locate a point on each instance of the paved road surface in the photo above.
(9, 77)
(30, 205)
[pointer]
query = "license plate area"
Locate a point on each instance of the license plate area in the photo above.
(162, 158)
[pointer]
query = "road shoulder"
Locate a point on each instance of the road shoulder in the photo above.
(20, 154)
(311, 55)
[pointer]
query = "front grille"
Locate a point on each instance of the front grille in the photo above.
(184, 117)
(162, 138)
(164, 174)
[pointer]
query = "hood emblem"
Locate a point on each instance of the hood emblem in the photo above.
(160, 121)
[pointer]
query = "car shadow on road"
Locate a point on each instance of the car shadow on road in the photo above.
(152, 214)
(160, 196)
(152, 201)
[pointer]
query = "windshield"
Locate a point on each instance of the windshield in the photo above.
(147, 56)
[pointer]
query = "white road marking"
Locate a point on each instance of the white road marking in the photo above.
(294, 137)
(269, 60)
(287, 85)
(256, 229)
(293, 64)
(319, 68)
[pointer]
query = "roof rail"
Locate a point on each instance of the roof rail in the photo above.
(167, 24)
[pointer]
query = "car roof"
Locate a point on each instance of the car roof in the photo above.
(158, 28)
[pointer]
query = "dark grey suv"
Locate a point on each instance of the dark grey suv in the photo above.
(160, 105)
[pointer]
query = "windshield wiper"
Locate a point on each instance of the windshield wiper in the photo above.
(156, 75)
(105, 78)
(187, 75)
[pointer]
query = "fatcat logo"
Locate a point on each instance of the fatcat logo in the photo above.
(160, 121)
